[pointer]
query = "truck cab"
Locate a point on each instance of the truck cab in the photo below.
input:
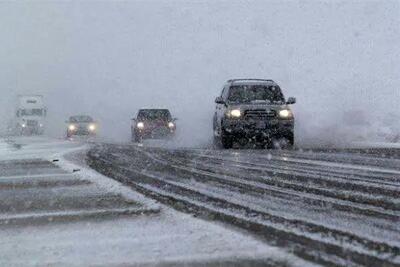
(30, 115)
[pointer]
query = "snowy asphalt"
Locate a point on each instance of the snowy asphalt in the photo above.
(339, 208)
(56, 211)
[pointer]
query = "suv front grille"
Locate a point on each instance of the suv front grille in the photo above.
(32, 123)
(258, 114)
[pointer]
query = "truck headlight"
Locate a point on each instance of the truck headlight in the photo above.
(235, 113)
(72, 127)
(285, 113)
(140, 125)
(92, 127)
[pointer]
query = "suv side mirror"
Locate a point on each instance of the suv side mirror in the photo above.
(291, 100)
(219, 100)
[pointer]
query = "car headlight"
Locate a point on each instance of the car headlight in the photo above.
(72, 127)
(23, 125)
(285, 113)
(235, 113)
(92, 127)
(140, 125)
(171, 125)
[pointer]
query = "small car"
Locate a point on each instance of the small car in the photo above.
(252, 110)
(81, 125)
(153, 124)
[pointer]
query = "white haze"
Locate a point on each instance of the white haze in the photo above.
(109, 59)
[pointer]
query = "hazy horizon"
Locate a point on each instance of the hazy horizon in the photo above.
(109, 59)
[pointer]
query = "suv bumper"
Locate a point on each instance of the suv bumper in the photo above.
(273, 128)
(82, 132)
(161, 132)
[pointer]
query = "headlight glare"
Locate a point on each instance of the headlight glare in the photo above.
(92, 127)
(140, 125)
(236, 113)
(72, 127)
(171, 125)
(285, 113)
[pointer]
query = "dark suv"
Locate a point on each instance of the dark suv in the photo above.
(253, 110)
(153, 123)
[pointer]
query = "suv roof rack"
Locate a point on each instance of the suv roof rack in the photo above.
(251, 79)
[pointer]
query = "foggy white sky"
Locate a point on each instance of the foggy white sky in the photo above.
(111, 58)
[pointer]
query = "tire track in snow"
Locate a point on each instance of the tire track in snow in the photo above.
(130, 163)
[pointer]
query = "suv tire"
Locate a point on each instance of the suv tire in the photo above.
(290, 139)
(226, 140)
(136, 138)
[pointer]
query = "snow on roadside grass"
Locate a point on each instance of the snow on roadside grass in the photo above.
(74, 160)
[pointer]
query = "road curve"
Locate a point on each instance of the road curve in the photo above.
(334, 209)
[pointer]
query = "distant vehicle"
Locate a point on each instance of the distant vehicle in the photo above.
(81, 125)
(253, 110)
(153, 123)
(30, 115)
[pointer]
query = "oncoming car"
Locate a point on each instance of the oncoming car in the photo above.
(81, 125)
(153, 123)
(253, 110)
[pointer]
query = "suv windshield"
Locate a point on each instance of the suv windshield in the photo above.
(154, 114)
(81, 119)
(252, 93)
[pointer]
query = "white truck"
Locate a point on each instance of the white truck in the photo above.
(30, 115)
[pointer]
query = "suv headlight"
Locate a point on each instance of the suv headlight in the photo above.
(140, 125)
(285, 114)
(92, 127)
(72, 127)
(234, 113)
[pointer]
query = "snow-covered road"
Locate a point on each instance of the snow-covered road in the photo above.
(333, 208)
(56, 211)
